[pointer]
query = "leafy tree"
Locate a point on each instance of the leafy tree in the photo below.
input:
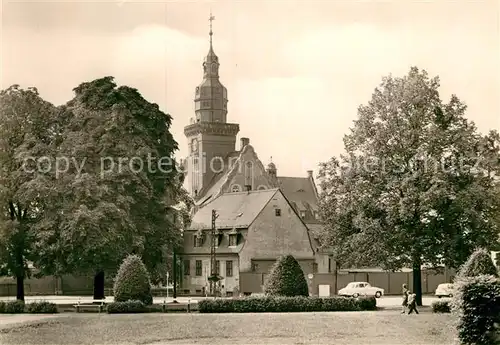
(479, 263)
(286, 279)
(111, 199)
(416, 184)
(27, 134)
(132, 282)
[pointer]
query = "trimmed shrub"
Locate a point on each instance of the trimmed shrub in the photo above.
(132, 282)
(12, 307)
(281, 304)
(286, 279)
(441, 307)
(479, 263)
(127, 307)
(477, 303)
(42, 307)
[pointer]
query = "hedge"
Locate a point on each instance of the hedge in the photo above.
(18, 307)
(271, 304)
(42, 307)
(477, 304)
(12, 307)
(441, 307)
(126, 307)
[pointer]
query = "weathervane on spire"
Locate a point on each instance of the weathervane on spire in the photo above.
(211, 19)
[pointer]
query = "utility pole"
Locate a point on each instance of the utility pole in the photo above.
(214, 277)
(174, 269)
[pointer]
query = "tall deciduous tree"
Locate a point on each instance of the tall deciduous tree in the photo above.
(119, 179)
(415, 185)
(28, 133)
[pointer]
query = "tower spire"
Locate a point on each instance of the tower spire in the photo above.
(211, 19)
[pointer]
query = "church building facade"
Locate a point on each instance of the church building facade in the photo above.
(261, 215)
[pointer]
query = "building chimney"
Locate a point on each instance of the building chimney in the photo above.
(244, 142)
(310, 173)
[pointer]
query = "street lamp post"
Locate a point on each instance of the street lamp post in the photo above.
(175, 278)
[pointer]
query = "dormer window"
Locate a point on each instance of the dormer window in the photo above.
(218, 239)
(198, 240)
(233, 240)
(235, 188)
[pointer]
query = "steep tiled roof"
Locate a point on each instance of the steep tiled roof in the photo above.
(218, 179)
(316, 229)
(300, 191)
(235, 210)
(221, 180)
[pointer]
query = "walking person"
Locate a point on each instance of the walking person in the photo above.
(405, 298)
(412, 303)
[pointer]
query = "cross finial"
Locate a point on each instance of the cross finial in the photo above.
(271, 159)
(211, 19)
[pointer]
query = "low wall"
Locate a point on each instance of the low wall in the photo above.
(71, 285)
(391, 282)
(250, 282)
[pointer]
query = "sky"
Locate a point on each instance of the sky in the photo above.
(296, 71)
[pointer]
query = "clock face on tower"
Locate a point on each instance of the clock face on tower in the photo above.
(194, 145)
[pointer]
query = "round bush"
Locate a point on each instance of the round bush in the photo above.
(132, 282)
(286, 279)
(479, 263)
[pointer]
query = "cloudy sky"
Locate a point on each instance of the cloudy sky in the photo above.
(296, 71)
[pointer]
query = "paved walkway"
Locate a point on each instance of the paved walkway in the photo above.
(386, 301)
(109, 299)
(8, 319)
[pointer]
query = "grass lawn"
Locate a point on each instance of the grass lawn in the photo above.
(337, 328)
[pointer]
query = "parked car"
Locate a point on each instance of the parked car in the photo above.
(444, 290)
(357, 289)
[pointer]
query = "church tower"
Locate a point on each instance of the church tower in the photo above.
(210, 137)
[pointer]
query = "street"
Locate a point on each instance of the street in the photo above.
(385, 301)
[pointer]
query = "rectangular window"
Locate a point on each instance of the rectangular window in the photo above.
(217, 267)
(229, 268)
(217, 240)
(233, 240)
(302, 214)
(198, 268)
(255, 267)
(315, 267)
(277, 212)
(187, 267)
(198, 241)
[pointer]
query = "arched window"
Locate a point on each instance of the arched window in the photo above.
(249, 174)
(261, 187)
(235, 188)
(214, 68)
